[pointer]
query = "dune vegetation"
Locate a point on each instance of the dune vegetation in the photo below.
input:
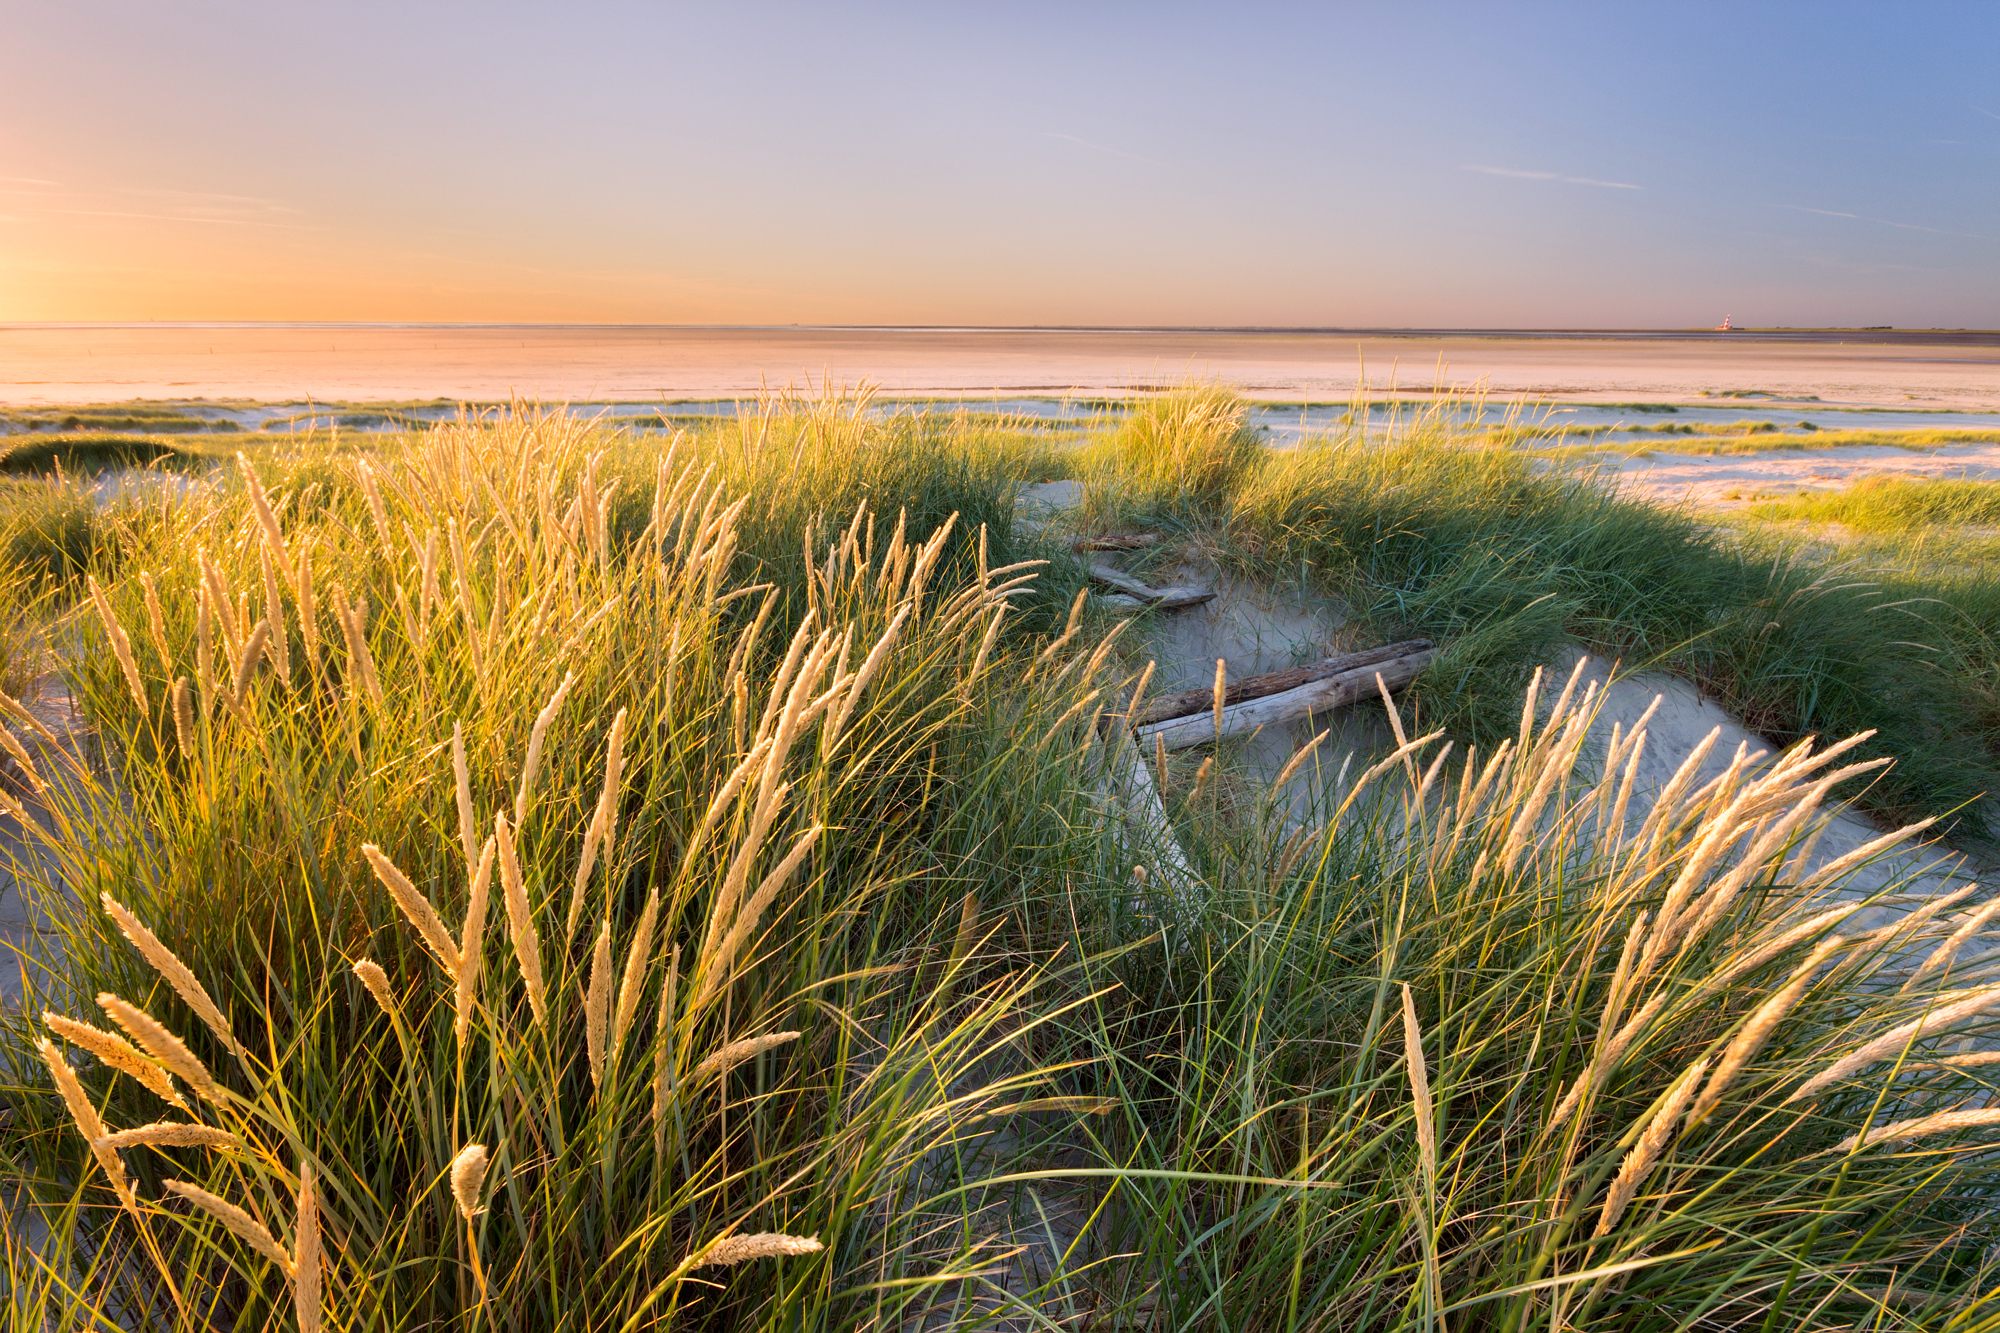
(519, 875)
(1892, 504)
(1764, 437)
(1501, 559)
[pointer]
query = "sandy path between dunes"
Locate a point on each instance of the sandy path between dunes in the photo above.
(1253, 630)
(42, 364)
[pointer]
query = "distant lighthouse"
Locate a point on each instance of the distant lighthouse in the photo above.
(1724, 326)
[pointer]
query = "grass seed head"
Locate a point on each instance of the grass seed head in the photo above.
(1757, 1029)
(246, 1228)
(1420, 1084)
(173, 971)
(1895, 1041)
(461, 776)
(472, 943)
(416, 907)
(736, 1052)
(637, 959)
(87, 1122)
(1921, 1126)
(536, 737)
(377, 981)
(1639, 1162)
(116, 1052)
(161, 1044)
(597, 1005)
(246, 666)
(183, 717)
(468, 1178)
(121, 643)
(171, 1134)
(156, 621)
(764, 1245)
(306, 1275)
(520, 920)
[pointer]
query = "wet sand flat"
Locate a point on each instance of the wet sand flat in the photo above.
(42, 364)
(1719, 481)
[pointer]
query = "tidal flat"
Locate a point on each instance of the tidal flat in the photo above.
(86, 363)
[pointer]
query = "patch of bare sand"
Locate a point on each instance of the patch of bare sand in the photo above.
(33, 958)
(1685, 719)
(1253, 630)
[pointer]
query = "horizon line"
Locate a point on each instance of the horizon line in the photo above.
(1382, 329)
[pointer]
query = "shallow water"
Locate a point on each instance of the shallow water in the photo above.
(1284, 424)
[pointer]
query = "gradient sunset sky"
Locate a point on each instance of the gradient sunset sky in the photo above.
(1469, 164)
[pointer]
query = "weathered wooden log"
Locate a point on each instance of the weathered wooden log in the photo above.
(1149, 835)
(1317, 697)
(1117, 541)
(1158, 599)
(1183, 702)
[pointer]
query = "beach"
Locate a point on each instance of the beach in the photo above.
(96, 363)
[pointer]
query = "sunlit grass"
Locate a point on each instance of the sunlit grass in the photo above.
(1733, 440)
(1891, 504)
(756, 855)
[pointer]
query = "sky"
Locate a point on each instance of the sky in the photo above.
(1302, 165)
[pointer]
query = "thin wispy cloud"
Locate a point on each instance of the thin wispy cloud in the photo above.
(1556, 176)
(199, 207)
(178, 217)
(1849, 266)
(1100, 148)
(1984, 112)
(1885, 222)
(203, 198)
(24, 180)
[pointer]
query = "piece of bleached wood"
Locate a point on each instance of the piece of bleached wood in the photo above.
(1154, 839)
(1117, 541)
(1273, 709)
(1158, 599)
(1183, 703)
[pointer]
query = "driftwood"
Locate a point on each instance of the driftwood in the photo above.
(1149, 837)
(1117, 541)
(1316, 697)
(1158, 599)
(1246, 688)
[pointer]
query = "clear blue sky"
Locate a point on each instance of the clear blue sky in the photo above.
(1481, 164)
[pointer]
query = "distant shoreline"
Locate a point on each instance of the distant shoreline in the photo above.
(1888, 336)
(86, 363)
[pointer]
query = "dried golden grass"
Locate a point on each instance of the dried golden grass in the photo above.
(763, 1245)
(173, 971)
(468, 1178)
(171, 1134)
(87, 1122)
(161, 1045)
(245, 1227)
(117, 1053)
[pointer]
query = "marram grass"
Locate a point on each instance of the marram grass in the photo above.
(579, 923)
